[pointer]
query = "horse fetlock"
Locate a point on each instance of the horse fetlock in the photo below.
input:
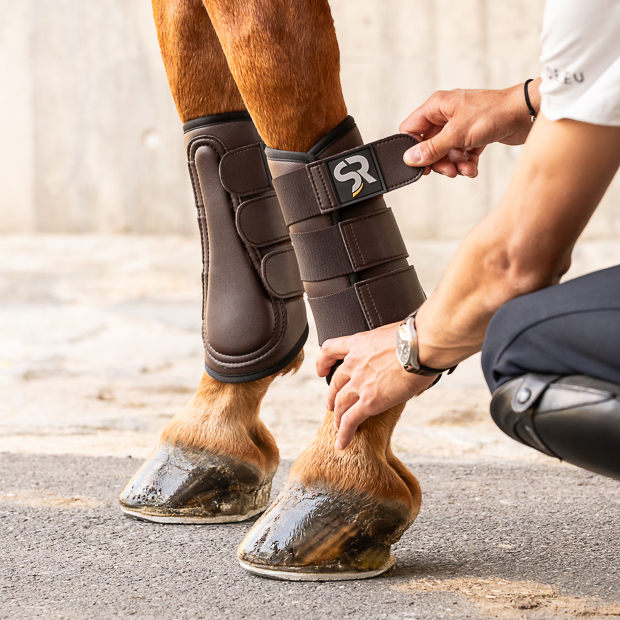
(178, 485)
(366, 467)
(340, 512)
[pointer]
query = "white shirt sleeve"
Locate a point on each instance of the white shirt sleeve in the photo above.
(581, 61)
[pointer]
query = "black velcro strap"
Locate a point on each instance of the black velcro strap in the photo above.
(390, 297)
(338, 315)
(280, 274)
(350, 246)
(260, 222)
(243, 171)
(345, 179)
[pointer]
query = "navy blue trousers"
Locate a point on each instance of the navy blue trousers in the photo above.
(569, 329)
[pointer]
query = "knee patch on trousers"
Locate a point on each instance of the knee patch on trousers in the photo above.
(254, 318)
(350, 251)
(574, 418)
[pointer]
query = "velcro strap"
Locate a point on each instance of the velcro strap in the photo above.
(390, 297)
(345, 179)
(321, 254)
(243, 171)
(280, 274)
(338, 315)
(348, 247)
(373, 239)
(260, 221)
(369, 304)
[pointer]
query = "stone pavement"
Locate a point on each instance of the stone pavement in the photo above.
(100, 346)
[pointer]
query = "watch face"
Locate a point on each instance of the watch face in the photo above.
(403, 349)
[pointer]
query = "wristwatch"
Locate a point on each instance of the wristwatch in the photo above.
(407, 351)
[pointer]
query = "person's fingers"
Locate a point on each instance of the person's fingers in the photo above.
(349, 423)
(432, 149)
(473, 155)
(345, 399)
(467, 169)
(417, 122)
(445, 168)
(332, 351)
(461, 162)
(339, 380)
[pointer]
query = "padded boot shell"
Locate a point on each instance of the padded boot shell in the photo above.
(574, 418)
(254, 319)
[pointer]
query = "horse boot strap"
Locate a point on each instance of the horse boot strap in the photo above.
(574, 418)
(254, 318)
(351, 254)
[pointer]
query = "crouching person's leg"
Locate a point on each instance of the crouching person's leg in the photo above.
(552, 361)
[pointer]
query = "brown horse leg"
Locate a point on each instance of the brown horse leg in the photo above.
(216, 459)
(341, 510)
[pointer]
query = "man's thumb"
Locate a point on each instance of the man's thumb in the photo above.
(430, 151)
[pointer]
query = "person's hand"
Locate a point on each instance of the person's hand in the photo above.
(369, 381)
(455, 126)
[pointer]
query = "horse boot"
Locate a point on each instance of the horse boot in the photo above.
(574, 418)
(341, 511)
(216, 459)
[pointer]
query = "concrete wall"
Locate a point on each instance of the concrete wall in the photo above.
(90, 139)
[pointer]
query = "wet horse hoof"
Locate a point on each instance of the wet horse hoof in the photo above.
(318, 534)
(178, 485)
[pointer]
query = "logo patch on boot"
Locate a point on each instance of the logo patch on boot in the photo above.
(355, 176)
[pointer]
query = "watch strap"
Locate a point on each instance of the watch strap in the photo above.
(427, 371)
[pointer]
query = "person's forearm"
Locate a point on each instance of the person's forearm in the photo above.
(525, 244)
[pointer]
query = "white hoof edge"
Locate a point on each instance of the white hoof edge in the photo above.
(300, 576)
(192, 520)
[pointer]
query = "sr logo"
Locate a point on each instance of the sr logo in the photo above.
(355, 175)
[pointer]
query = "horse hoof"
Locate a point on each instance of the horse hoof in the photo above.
(178, 485)
(319, 534)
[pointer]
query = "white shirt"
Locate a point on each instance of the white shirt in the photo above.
(581, 61)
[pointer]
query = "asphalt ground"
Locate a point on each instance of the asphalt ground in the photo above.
(510, 540)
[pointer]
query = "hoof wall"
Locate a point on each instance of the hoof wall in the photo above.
(319, 534)
(300, 575)
(177, 485)
(189, 519)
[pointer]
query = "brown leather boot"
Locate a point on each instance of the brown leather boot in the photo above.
(342, 510)
(216, 460)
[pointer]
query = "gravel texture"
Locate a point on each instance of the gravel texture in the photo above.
(67, 551)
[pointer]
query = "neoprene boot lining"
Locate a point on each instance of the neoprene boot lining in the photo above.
(254, 318)
(574, 418)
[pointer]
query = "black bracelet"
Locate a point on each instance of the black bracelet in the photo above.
(530, 107)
